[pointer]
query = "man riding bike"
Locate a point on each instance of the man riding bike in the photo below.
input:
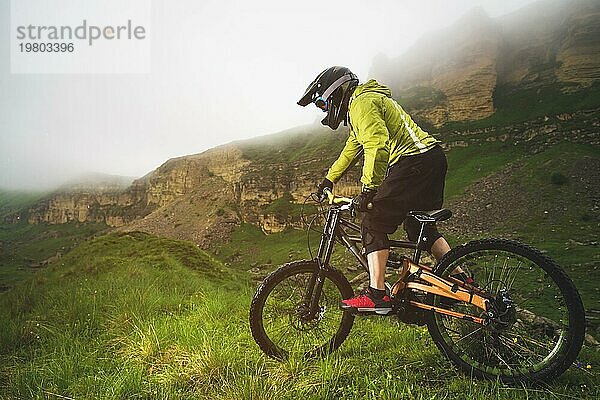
(404, 169)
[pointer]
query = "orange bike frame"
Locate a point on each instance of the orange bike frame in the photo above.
(448, 287)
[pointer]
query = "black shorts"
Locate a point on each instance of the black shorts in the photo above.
(413, 183)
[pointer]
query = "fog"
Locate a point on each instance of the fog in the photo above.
(220, 71)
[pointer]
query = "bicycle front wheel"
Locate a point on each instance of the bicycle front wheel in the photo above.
(278, 313)
(539, 323)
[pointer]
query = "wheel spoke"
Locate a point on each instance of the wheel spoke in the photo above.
(468, 335)
(517, 342)
(286, 328)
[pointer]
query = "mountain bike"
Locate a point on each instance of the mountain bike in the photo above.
(522, 320)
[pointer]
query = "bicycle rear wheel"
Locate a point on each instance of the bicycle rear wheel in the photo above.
(278, 313)
(539, 327)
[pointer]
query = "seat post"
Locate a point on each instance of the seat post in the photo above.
(417, 255)
(426, 217)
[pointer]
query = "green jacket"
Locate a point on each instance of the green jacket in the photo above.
(383, 129)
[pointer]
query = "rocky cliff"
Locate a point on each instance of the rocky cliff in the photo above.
(263, 181)
(455, 74)
(204, 196)
(85, 200)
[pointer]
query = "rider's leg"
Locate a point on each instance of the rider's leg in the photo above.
(376, 246)
(439, 247)
(377, 261)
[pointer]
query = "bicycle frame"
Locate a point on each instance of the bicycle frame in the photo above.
(447, 287)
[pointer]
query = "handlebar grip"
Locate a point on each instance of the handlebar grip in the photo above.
(336, 200)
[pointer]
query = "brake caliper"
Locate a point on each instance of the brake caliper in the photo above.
(503, 312)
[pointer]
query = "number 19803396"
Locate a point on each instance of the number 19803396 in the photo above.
(46, 47)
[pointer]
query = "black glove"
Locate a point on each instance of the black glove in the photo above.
(364, 201)
(320, 189)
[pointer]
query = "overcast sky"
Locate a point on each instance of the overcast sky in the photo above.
(220, 71)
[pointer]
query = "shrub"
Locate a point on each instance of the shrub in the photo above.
(558, 179)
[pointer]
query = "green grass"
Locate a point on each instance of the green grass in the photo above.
(25, 246)
(110, 314)
(250, 247)
(467, 164)
(515, 105)
(310, 149)
(560, 221)
(420, 97)
(555, 218)
(536, 178)
(136, 316)
(523, 104)
(285, 208)
(14, 201)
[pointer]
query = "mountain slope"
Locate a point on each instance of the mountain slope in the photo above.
(532, 73)
(261, 181)
(457, 74)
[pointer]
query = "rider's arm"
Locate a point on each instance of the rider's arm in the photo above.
(366, 114)
(347, 156)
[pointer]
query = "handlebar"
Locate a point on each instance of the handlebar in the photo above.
(333, 199)
(347, 201)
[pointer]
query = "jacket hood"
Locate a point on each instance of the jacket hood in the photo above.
(371, 86)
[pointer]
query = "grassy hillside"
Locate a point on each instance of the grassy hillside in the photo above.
(548, 199)
(468, 164)
(12, 201)
(514, 104)
(26, 248)
(113, 318)
(136, 316)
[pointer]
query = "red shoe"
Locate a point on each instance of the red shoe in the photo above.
(367, 303)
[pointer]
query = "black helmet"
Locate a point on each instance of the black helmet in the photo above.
(331, 91)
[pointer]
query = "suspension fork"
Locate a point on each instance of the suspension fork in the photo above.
(315, 284)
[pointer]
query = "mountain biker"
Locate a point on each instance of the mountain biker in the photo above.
(404, 169)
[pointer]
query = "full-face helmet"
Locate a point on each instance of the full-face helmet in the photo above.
(331, 91)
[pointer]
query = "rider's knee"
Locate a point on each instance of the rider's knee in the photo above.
(373, 240)
(430, 233)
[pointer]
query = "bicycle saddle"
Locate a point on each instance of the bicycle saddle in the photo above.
(431, 216)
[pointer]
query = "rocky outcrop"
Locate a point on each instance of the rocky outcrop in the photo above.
(579, 54)
(203, 197)
(89, 200)
(455, 70)
(64, 207)
(538, 134)
(453, 75)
